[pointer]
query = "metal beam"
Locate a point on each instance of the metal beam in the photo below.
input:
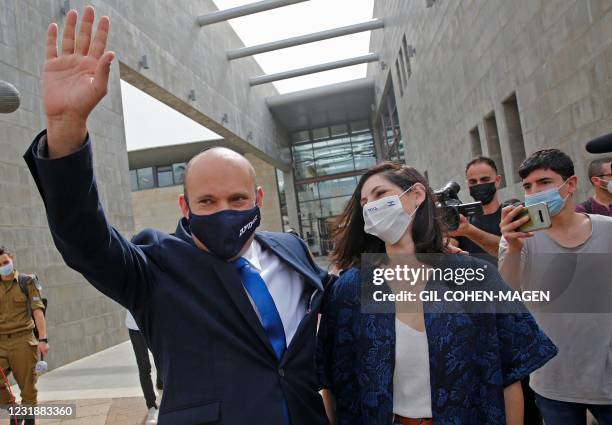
(264, 79)
(304, 39)
(247, 9)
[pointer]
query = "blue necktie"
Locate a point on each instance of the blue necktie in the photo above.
(270, 319)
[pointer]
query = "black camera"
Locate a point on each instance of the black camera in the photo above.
(450, 206)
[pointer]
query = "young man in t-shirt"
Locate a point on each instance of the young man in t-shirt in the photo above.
(480, 234)
(600, 175)
(573, 259)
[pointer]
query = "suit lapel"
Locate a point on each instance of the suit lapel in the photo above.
(230, 279)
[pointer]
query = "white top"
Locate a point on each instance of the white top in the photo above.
(130, 323)
(411, 386)
(286, 286)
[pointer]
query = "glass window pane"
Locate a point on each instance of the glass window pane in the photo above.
(337, 187)
(334, 206)
(305, 170)
(300, 136)
(145, 178)
(334, 156)
(320, 133)
(364, 153)
(164, 176)
(303, 152)
(133, 180)
(339, 130)
(179, 172)
(307, 192)
(310, 210)
(310, 233)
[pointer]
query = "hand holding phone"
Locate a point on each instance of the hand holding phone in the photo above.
(539, 218)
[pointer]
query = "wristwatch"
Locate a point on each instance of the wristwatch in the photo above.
(43, 340)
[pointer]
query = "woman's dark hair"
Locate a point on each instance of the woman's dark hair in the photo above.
(350, 240)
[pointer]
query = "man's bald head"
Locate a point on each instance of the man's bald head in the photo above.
(222, 158)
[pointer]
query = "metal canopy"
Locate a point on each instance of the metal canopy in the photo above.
(324, 106)
(264, 79)
(304, 39)
(247, 9)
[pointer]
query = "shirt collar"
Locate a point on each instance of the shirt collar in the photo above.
(252, 255)
(9, 282)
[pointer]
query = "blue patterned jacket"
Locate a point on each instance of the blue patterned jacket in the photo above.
(473, 357)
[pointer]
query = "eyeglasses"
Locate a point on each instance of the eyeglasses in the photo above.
(604, 175)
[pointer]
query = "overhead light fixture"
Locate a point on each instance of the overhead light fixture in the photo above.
(143, 64)
(192, 95)
(383, 65)
(224, 119)
(430, 3)
(411, 51)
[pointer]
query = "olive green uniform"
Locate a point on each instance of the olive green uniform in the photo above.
(18, 345)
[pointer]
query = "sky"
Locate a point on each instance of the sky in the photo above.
(149, 123)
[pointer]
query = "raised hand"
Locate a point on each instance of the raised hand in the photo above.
(75, 80)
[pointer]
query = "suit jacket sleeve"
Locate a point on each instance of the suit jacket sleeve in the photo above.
(79, 228)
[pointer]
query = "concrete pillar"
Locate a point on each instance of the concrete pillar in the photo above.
(291, 198)
(271, 218)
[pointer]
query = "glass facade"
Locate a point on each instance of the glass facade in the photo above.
(158, 176)
(388, 128)
(327, 163)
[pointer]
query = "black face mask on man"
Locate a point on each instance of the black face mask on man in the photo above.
(225, 232)
(484, 192)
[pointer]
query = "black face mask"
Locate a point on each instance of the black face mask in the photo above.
(484, 192)
(225, 232)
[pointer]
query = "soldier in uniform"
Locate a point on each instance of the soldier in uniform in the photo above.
(19, 348)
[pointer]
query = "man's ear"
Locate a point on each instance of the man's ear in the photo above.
(498, 179)
(184, 205)
(595, 181)
(260, 196)
(572, 184)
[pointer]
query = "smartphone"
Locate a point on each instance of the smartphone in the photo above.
(470, 209)
(539, 218)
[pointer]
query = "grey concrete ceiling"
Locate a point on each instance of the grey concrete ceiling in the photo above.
(323, 106)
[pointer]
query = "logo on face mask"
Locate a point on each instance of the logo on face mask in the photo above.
(386, 219)
(248, 225)
(218, 231)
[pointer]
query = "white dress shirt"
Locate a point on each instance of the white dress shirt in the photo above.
(286, 286)
(130, 323)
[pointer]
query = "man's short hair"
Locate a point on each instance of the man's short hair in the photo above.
(596, 166)
(548, 159)
(481, 159)
(4, 250)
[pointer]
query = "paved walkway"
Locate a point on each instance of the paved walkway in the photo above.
(105, 388)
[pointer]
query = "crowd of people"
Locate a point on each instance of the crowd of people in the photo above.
(244, 326)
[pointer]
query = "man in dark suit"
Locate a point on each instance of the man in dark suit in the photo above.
(229, 314)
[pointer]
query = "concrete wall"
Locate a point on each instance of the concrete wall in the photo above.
(271, 218)
(471, 55)
(182, 57)
(159, 208)
(80, 320)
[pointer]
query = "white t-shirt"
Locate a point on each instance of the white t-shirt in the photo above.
(411, 385)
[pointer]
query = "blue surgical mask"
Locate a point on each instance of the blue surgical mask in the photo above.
(7, 269)
(552, 198)
(224, 233)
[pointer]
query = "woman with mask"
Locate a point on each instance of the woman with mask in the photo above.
(422, 366)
